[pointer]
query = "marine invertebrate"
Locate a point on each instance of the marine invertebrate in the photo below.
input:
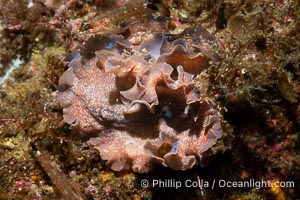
(141, 99)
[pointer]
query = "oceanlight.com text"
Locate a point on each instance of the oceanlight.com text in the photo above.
(221, 183)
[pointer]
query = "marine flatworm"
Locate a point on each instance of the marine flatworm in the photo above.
(138, 95)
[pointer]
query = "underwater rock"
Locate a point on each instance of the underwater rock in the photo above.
(141, 99)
